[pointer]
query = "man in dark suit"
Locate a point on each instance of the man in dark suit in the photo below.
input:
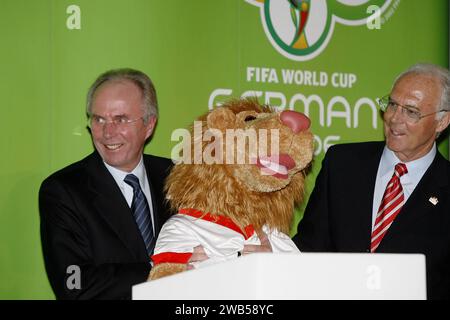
(392, 196)
(100, 217)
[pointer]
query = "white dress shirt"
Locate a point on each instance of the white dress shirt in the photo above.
(409, 181)
(127, 190)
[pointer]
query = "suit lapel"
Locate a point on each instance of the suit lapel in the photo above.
(155, 183)
(363, 207)
(434, 183)
(111, 205)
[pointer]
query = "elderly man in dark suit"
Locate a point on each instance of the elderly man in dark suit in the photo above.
(392, 196)
(100, 217)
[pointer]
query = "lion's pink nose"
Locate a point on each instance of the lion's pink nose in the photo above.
(295, 120)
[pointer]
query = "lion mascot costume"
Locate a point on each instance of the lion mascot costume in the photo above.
(244, 173)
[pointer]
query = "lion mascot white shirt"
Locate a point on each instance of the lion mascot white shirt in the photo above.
(220, 237)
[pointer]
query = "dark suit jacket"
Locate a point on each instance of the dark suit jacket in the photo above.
(338, 217)
(86, 222)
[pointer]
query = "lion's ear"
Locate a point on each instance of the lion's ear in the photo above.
(221, 118)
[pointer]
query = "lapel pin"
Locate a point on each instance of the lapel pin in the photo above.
(433, 200)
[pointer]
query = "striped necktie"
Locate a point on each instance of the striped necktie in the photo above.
(390, 206)
(141, 212)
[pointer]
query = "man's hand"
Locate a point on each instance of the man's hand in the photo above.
(198, 255)
(265, 245)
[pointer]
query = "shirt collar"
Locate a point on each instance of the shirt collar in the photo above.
(416, 168)
(119, 175)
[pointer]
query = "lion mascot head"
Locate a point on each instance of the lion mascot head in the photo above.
(241, 170)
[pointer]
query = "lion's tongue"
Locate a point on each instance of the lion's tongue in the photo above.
(276, 165)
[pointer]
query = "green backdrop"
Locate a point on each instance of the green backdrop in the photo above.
(52, 50)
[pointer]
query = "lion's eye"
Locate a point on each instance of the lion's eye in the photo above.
(249, 118)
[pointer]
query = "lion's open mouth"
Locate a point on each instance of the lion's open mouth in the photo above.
(277, 166)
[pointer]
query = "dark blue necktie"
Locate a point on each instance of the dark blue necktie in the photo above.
(141, 211)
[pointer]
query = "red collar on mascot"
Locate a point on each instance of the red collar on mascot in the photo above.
(218, 219)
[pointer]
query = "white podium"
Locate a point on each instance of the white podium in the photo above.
(266, 276)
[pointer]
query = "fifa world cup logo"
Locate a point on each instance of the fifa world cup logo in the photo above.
(301, 29)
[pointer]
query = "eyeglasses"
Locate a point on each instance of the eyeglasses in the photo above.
(118, 121)
(389, 106)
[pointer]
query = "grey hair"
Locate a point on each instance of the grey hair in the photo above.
(437, 72)
(149, 103)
